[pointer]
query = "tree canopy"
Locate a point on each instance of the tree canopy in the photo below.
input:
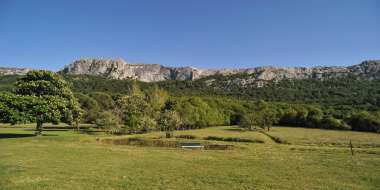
(41, 96)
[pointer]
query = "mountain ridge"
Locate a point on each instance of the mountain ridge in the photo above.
(120, 69)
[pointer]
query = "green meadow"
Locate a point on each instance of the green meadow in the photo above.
(305, 159)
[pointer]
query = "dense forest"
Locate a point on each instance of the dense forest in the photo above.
(340, 103)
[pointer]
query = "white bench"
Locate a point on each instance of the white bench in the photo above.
(191, 145)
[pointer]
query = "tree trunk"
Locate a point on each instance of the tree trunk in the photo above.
(39, 128)
(77, 125)
(168, 134)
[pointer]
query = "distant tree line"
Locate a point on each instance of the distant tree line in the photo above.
(129, 106)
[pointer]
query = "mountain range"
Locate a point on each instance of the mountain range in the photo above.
(120, 69)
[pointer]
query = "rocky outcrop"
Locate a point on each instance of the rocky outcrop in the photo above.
(13, 71)
(119, 69)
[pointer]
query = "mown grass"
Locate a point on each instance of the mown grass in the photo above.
(67, 160)
(321, 137)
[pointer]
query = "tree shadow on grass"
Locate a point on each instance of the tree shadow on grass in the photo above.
(49, 129)
(15, 135)
(85, 130)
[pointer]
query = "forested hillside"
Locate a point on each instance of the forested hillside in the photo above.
(339, 103)
(340, 93)
(337, 92)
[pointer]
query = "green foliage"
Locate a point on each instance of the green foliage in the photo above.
(7, 82)
(232, 139)
(262, 116)
(90, 106)
(108, 121)
(104, 100)
(157, 98)
(42, 96)
(197, 112)
(330, 122)
(365, 121)
(15, 109)
(43, 83)
(130, 107)
(169, 120)
(147, 124)
(209, 101)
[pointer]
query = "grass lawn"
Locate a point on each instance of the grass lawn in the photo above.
(321, 137)
(63, 159)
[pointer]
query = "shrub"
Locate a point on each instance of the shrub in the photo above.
(232, 139)
(109, 122)
(141, 142)
(218, 147)
(332, 123)
(364, 121)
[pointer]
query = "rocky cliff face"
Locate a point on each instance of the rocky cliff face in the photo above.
(119, 69)
(13, 71)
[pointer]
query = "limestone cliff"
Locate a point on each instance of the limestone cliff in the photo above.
(13, 71)
(119, 69)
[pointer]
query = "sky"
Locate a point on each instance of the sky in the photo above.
(46, 34)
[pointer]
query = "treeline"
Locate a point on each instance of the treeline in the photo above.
(344, 95)
(341, 93)
(141, 111)
(128, 106)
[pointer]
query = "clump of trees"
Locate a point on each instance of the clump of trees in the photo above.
(40, 97)
(141, 111)
(365, 121)
(129, 106)
(262, 116)
(327, 104)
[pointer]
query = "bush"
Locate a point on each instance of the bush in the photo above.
(109, 122)
(147, 124)
(218, 147)
(364, 121)
(141, 142)
(332, 123)
(232, 139)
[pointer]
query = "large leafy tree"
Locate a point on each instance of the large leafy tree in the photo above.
(50, 99)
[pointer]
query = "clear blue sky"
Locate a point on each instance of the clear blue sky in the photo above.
(201, 33)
